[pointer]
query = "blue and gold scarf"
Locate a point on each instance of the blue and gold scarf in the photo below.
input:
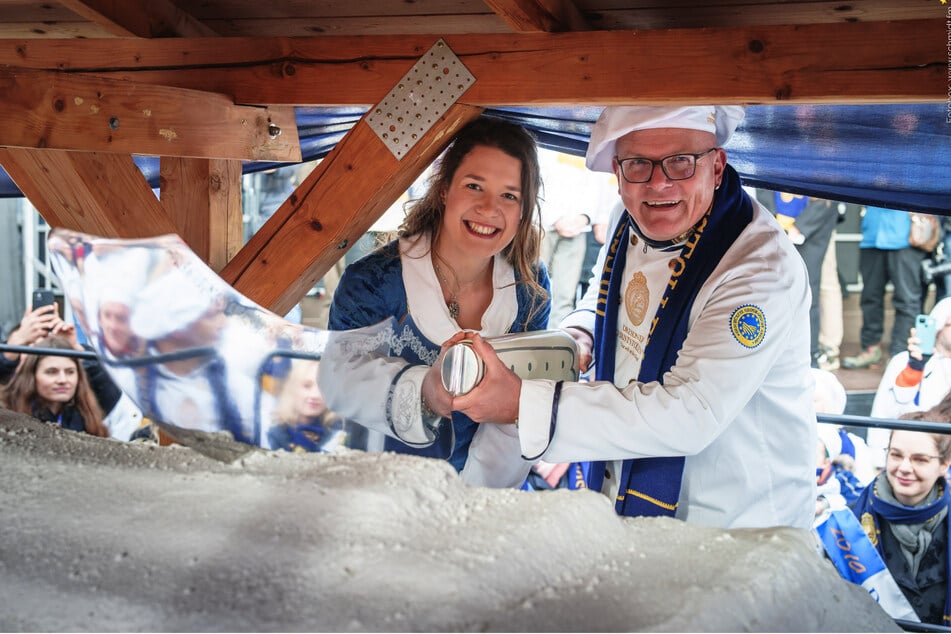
(651, 486)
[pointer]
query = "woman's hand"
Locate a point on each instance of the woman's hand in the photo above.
(435, 395)
(585, 343)
(495, 398)
(68, 332)
(35, 324)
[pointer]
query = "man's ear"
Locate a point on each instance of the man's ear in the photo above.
(720, 163)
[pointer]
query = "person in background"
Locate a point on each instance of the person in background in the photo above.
(809, 223)
(913, 381)
(300, 420)
(205, 391)
(573, 196)
(842, 445)
(596, 239)
(55, 389)
(117, 342)
(905, 515)
(702, 404)
(844, 464)
(886, 255)
(121, 415)
(831, 319)
(811, 233)
(467, 259)
(942, 254)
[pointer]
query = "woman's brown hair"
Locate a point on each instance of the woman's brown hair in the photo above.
(20, 394)
(937, 414)
(425, 215)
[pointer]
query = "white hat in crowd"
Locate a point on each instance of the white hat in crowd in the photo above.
(941, 313)
(167, 305)
(830, 437)
(616, 121)
(830, 395)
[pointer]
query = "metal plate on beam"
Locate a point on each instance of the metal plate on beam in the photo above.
(417, 101)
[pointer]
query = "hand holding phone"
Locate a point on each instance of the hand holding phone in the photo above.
(925, 331)
(43, 297)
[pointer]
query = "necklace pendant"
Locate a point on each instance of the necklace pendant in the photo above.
(453, 307)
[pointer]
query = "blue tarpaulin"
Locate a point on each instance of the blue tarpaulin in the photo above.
(896, 156)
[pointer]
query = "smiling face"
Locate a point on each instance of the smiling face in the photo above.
(309, 402)
(913, 465)
(664, 208)
(56, 381)
(482, 204)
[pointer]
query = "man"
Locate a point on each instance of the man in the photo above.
(913, 381)
(700, 331)
(207, 390)
(809, 223)
(886, 255)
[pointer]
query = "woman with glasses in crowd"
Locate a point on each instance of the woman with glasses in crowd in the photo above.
(904, 513)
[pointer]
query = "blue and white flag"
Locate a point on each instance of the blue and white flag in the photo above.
(857, 561)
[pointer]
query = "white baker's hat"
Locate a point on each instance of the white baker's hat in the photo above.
(167, 305)
(616, 121)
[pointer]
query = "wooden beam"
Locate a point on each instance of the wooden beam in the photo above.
(42, 109)
(299, 18)
(139, 18)
(97, 193)
(884, 62)
(334, 206)
(203, 200)
(546, 16)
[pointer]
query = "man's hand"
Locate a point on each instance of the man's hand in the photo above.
(495, 398)
(585, 343)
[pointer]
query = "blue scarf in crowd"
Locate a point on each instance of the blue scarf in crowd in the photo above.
(872, 508)
(651, 486)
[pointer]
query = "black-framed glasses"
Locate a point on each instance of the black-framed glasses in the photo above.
(677, 167)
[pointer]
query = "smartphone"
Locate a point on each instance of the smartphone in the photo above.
(43, 297)
(925, 331)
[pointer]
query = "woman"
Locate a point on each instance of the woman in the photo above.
(55, 389)
(300, 420)
(905, 515)
(466, 259)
